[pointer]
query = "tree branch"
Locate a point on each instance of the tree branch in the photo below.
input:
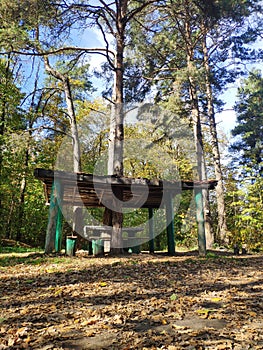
(61, 50)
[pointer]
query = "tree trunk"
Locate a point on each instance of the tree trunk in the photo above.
(3, 113)
(115, 152)
(23, 185)
(73, 125)
(201, 168)
(222, 226)
(21, 204)
(8, 227)
(77, 222)
(71, 113)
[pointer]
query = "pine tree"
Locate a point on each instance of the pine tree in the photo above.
(248, 144)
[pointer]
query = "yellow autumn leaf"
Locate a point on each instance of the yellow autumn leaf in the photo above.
(216, 299)
(177, 327)
(164, 322)
(202, 311)
(58, 292)
(49, 270)
(103, 284)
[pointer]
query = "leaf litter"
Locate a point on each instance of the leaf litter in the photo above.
(133, 302)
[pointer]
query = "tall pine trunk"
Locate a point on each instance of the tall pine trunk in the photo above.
(201, 167)
(222, 225)
(114, 217)
(77, 222)
(3, 115)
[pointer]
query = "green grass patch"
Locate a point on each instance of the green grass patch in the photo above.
(32, 259)
(211, 255)
(18, 249)
(16, 260)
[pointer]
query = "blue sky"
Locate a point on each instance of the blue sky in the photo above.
(226, 119)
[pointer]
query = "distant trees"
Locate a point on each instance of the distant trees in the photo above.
(246, 221)
(248, 145)
(245, 208)
(10, 122)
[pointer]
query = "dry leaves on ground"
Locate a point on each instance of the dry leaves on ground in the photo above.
(133, 302)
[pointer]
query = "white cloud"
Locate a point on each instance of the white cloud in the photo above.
(226, 120)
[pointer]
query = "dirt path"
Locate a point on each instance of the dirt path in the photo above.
(135, 302)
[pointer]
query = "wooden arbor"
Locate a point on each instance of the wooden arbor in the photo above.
(96, 191)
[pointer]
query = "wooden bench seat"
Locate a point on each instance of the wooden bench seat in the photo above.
(103, 234)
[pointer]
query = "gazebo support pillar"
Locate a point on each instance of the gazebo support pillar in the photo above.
(200, 222)
(151, 230)
(55, 219)
(170, 224)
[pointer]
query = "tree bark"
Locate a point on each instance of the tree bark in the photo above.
(114, 217)
(73, 125)
(222, 225)
(3, 113)
(196, 118)
(21, 204)
(77, 222)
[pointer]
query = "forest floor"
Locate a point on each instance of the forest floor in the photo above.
(131, 302)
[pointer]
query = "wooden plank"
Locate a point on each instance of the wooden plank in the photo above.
(95, 191)
(82, 178)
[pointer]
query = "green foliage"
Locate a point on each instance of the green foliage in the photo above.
(245, 197)
(248, 145)
(20, 22)
(247, 221)
(18, 172)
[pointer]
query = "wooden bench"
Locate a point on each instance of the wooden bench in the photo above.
(103, 233)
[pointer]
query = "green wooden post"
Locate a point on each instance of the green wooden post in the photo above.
(55, 218)
(59, 226)
(59, 220)
(200, 222)
(170, 224)
(151, 230)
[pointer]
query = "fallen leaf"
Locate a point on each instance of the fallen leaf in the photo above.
(173, 297)
(215, 300)
(58, 291)
(175, 326)
(103, 284)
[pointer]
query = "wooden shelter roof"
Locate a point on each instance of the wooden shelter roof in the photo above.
(96, 191)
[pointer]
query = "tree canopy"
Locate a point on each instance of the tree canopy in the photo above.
(248, 144)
